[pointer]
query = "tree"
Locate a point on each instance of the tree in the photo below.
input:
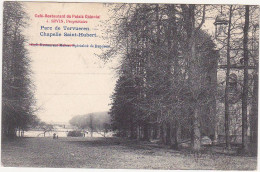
(245, 83)
(227, 83)
(194, 72)
(18, 100)
(45, 127)
(95, 122)
(234, 55)
(157, 92)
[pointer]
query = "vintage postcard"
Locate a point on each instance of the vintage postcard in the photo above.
(168, 86)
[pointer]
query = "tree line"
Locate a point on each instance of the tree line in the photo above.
(18, 102)
(98, 122)
(168, 86)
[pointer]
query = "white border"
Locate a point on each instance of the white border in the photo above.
(20, 169)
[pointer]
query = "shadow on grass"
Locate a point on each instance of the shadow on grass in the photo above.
(125, 144)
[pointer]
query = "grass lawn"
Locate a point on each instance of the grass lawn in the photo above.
(110, 153)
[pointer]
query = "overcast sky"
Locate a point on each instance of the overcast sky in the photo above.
(68, 81)
(71, 81)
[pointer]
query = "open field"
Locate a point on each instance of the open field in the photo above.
(111, 153)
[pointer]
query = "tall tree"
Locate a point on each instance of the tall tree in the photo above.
(153, 41)
(227, 82)
(18, 101)
(245, 83)
(194, 72)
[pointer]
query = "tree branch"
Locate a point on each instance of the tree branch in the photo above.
(203, 18)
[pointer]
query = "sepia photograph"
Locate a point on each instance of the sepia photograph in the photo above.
(102, 85)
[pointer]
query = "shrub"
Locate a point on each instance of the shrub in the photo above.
(75, 134)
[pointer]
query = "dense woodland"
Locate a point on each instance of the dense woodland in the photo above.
(178, 82)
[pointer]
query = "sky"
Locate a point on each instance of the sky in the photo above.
(68, 81)
(71, 81)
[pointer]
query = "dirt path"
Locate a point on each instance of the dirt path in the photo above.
(109, 153)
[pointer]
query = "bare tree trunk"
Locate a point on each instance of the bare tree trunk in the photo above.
(138, 132)
(91, 125)
(227, 137)
(195, 86)
(196, 130)
(215, 141)
(245, 84)
(213, 105)
(168, 133)
(173, 57)
(155, 131)
(254, 117)
(174, 135)
(161, 133)
(132, 132)
(189, 17)
(146, 131)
